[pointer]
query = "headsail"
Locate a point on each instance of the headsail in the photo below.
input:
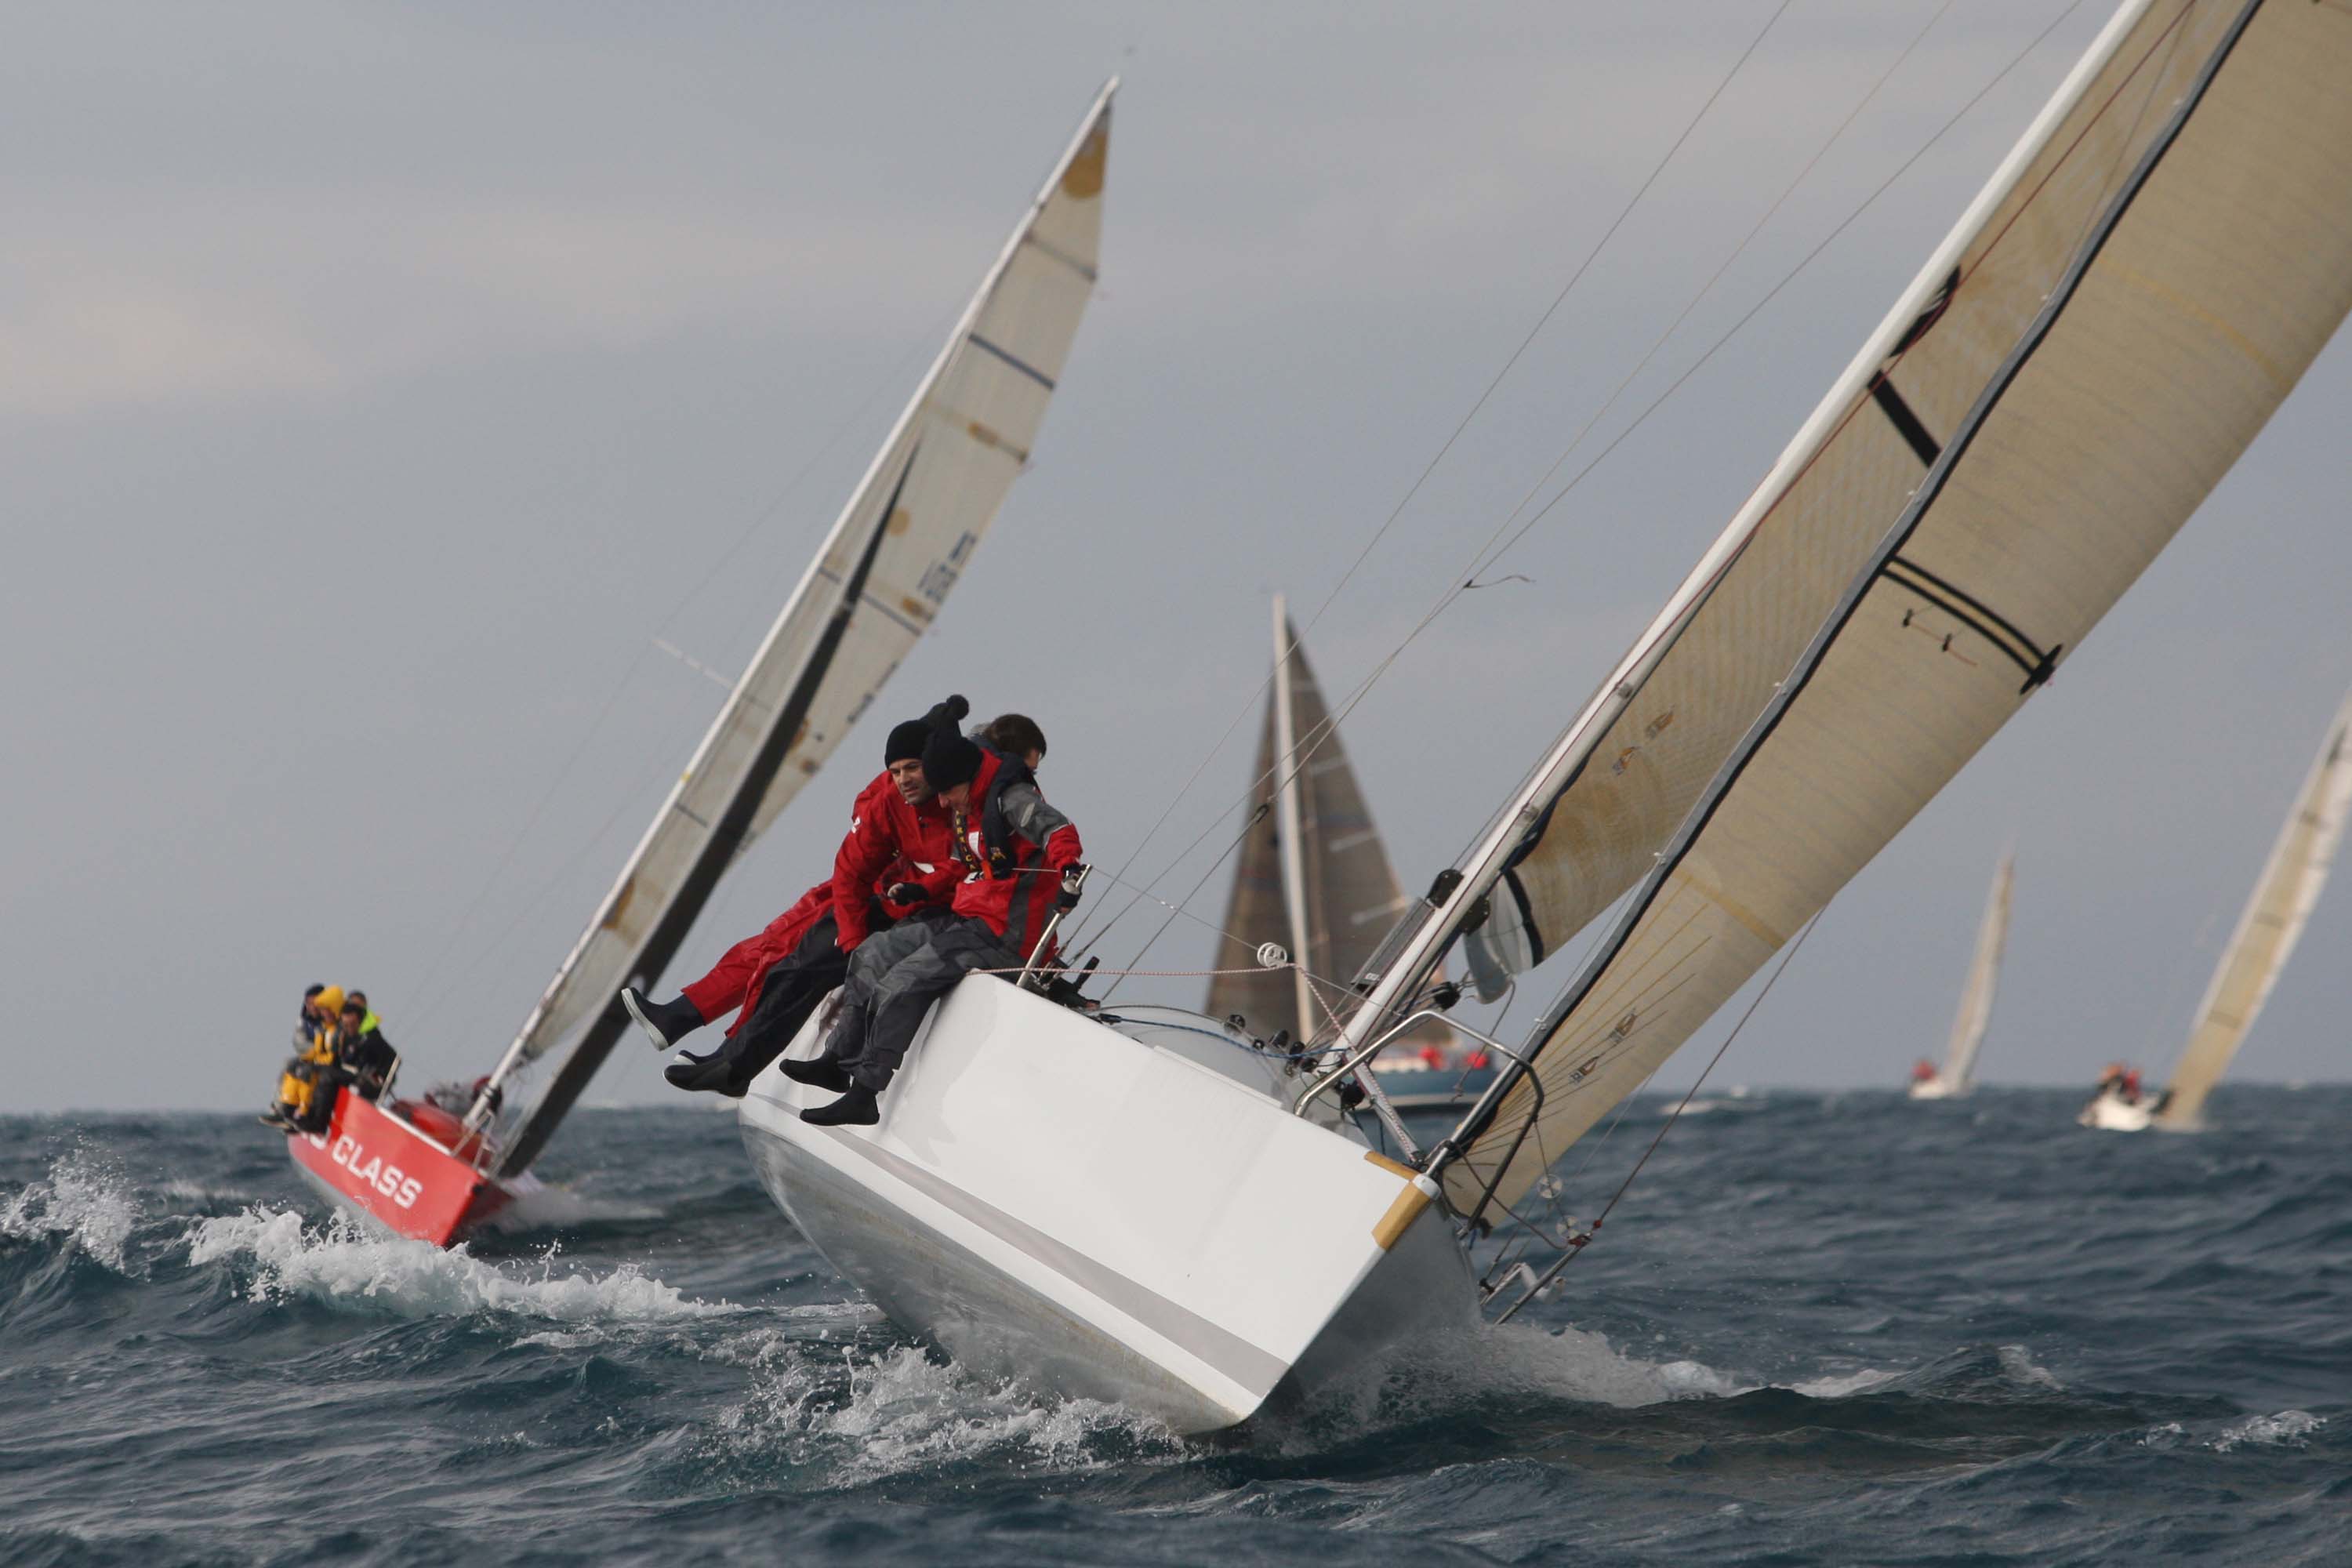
(885, 569)
(1313, 873)
(2117, 314)
(2267, 932)
(1984, 978)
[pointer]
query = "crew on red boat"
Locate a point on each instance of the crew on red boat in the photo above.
(1020, 860)
(894, 865)
(363, 1058)
(300, 1107)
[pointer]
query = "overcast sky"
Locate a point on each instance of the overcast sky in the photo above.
(377, 385)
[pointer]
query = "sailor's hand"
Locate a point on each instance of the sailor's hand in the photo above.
(1072, 883)
(906, 893)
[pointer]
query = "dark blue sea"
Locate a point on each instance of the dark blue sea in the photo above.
(1837, 1329)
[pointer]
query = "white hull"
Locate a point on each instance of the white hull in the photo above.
(1937, 1089)
(1123, 1215)
(2108, 1113)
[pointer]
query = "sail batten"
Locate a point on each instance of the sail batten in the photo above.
(2269, 928)
(893, 555)
(2100, 338)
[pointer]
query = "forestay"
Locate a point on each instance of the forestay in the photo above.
(2135, 292)
(895, 551)
(2267, 932)
(1968, 1025)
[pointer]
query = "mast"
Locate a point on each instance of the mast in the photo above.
(1289, 825)
(2268, 928)
(893, 555)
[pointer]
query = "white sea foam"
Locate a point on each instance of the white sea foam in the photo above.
(2288, 1428)
(858, 1416)
(2018, 1366)
(342, 1263)
(82, 1199)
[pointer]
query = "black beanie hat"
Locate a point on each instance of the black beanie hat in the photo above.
(950, 760)
(906, 742)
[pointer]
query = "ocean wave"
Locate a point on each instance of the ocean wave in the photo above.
(82, 1200)
(340, 1263)
(2288, 1428)
(857, 1417)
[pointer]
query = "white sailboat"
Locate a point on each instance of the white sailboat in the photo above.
(1957, 1076)
(1144, 1209)
(2273, 921)
(1313, 877)
(885, 569)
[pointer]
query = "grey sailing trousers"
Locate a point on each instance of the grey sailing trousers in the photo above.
(894, 978)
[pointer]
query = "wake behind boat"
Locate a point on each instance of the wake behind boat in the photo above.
(880, 579)
(1103, 1206)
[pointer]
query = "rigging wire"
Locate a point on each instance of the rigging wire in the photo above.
(760, 520)
(1489, 553)
(1577, 1244)
(1431, 466)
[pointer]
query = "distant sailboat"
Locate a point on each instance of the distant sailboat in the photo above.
(1145, 1208)
(1314, 874)
(885, 569)
(2267, 930)
(1958, 1075)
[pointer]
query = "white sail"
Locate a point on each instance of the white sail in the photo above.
(1970, 1023)
(1313, 873)
(885, 569)
(2117, 314)
(2267, 932)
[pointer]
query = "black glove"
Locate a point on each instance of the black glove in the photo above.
(906, 893)
(1067, 898)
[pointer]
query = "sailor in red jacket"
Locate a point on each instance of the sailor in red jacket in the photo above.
(1009, 846)
(897, 862)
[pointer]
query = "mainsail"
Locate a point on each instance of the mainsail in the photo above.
(895, 551)
(2138, 287)
(2266, 934)
(1313, 874)
(1968, 1024)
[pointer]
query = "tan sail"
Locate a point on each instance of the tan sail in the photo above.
(1968, 1025)
(2267, 932)
(2137, 290)
(884, 571)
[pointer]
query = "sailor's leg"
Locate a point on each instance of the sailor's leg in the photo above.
(875, 958)
(907, 991)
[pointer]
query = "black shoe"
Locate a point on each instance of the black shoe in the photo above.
(822, 1072)
(714, 1073)
(275, 1116)
(665, 1023)
(856, 1109)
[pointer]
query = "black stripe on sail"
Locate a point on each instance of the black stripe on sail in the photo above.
(1482, 1116)
(1023, 367)
(718, 851)
(1907, 424)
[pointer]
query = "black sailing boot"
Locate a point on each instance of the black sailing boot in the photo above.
(665, 1022)
(715, 1072)
(856, 1109)
(822, 1072)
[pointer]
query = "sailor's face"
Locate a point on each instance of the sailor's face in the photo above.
(907, 775)
(1031, 760)
(957, 798)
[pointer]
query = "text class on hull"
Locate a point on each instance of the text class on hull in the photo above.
(2267, 932)
(1113, 1208)
(1957, 1076)
(896, 549)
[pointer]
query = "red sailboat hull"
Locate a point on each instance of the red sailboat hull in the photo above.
(377, 1160)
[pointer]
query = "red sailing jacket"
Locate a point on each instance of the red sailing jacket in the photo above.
(1018, 907)
(888, 842)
